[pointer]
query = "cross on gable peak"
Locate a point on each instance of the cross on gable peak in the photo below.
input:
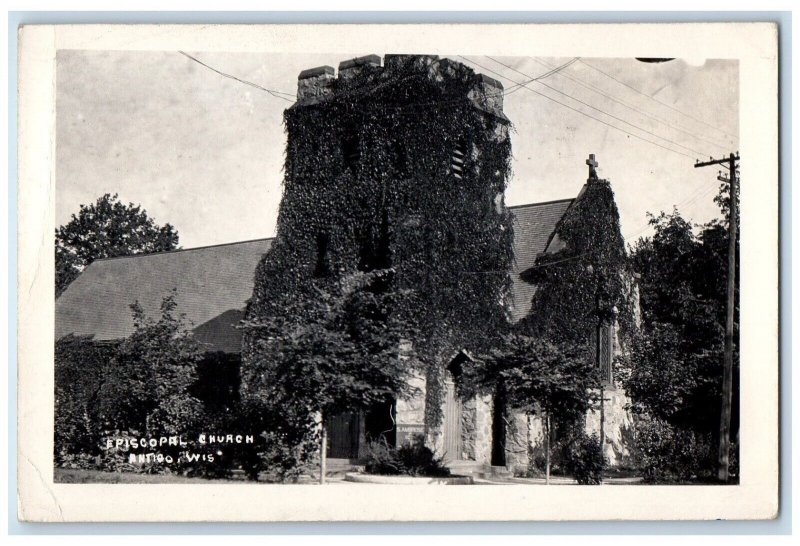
(593, 164)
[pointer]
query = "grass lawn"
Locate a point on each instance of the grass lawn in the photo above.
(69, 475)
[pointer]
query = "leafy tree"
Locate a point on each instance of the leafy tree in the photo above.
(676, 359)
(138, 385)
(335, 349)
(106, 229)
(147, 385)
(538, 377)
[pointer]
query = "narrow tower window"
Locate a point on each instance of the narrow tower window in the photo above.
(607, 354)
(351, 149)
(457, 159)
(322, 267)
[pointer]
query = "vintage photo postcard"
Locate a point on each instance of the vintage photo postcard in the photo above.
(398, 273)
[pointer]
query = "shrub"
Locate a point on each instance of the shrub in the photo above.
(283, 449)
(584, 459)
(413, 459)
(666, 454)
(382, 459)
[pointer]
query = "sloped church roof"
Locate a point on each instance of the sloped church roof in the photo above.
(212, 284)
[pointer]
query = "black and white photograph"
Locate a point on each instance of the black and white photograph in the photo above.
(389, 267)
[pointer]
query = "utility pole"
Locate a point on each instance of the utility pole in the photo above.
(727, 375)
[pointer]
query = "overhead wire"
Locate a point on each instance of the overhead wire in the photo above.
(687, 148)
(554, 70)
(273, 92)
(656, 100)
(282, 94)
(658, 119)
(512, 89)
(691, 198)
(582, 112)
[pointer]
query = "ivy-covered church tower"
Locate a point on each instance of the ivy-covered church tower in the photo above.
(396, 165)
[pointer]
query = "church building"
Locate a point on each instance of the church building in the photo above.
(398, 162)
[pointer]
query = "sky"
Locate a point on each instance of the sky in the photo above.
(205, 153)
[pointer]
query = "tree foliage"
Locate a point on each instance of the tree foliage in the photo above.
(557, 383)
(676, 362)
(335, 350)
(147, 385)
(584, 459)
(538, 376)
(670, 454)
(106, 229)
(78, 375)
(138, 386)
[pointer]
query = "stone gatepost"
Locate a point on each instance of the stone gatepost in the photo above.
(537, 442)
(468, 429)
(483, 429)
(517, 442)
(410, 414)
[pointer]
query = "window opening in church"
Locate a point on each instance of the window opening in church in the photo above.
(607, 354)
(457, 159)
(375, 252)
(351, 149)
(322, 267)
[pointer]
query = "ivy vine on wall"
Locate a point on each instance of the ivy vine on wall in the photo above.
(587, 278)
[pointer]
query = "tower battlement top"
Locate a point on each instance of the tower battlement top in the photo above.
(316, 85)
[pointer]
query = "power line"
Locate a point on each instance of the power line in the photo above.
(600, 110)
(600, 91)
(274, 93)
(582, 112)
(656, 100)
(279, 94)
(691, 198)
(555, 70)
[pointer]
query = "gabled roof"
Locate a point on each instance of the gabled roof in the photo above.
(534, 226)
(212, 284)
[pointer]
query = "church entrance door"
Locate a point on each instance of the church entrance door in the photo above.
(452, 422)
(343, 436)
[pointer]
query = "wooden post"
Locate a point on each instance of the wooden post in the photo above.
(602, 420)
(323, 449)
(727, 374)
(547, 449)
